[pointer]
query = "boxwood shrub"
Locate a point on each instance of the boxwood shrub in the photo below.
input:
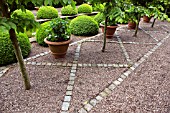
(23, 15)
(7, 55)
(85, 8)
(47, 12)
(98, 7)
(84, 26)
(99, 18)
(69, 10)
(42, 33)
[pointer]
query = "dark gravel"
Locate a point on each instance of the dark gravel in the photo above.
(90, 82)
(46, 95)
(147, 90)
(91, 53)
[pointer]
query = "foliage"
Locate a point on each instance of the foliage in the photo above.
(69, 10)
(47, 12)
(84, 26)
(99, 18)
(23, 15)
(42, 33)
(85, 8)
(7, 55)
(59, 30)
(98, 7)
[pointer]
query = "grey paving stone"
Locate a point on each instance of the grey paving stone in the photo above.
(44, 63)
(72, 74)
(72, 78)
(69, 88)
(64, 64)
(49, 64)
(1, 74)
(115, 65)
(33, 63)
(69, 64)
(88, 107)
(68, 93)
(93, 102)
(82, 110)
(80, 65)
(28, 62)
(110, 65)
(112, 86)
(73, 71)
(107, 90)
(120, 79)
(59, 64)
(93, 65)
(75, 62)
(74, 65)
(71, 82)
(127, 73)
(100, 65)
(65, 106)
(121, 65)
(74, 68)
(116, 82)
(42, 54)
(67, 98)
(122, 76)
(105, 65)
(103, 94)
(38, 64)
(99, 98)
(85, 65)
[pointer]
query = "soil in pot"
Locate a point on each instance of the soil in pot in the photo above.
(131, 25)
(110, 31)
(146, 19)
(58, 49)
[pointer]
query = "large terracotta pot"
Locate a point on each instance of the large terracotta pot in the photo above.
(58, 49)
(131, 25)
(110, 30)
(146, 19)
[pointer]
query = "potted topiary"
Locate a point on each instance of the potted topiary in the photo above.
(59, 37)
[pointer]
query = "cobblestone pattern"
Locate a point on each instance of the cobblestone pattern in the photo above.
(70, 86)
(103, 94)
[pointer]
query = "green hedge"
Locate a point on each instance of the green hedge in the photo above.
(99, 18)
(42, 33)
(47, 12)
(85, 8)
(7, 55)
(69, 10)
(84, 26)
(23, 15)
(98, 7)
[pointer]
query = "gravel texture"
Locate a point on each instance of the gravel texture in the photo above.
(136, 51)
(126, 35)
(147, 90)
(49, 58)
(36, 49)
(91, 53)
(46, 94)
(90, 82)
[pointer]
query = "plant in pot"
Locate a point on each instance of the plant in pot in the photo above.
(59, 37)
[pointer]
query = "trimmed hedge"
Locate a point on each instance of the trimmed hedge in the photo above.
(47, 12)
(7, 55)
(84, 26)
(69, 10)
(23, 15)
(98, 7)
(85, 8)
(99, 18)
(42, 33)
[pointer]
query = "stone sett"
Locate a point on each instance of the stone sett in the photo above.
(116, 82)
(71, 82)
(122, 76)
(69, 93)
(99, 98)
(108, 91)
(112, 86)
(65, 106)
(82, 110)
(103, 94)
(93, 102)
(72, 78)
(67, 98)
(120, 79)
(88, 107)
(69, 88)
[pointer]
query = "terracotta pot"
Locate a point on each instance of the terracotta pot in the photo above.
(131, 25)
(146, 19)
(110, 30)
(58, 49)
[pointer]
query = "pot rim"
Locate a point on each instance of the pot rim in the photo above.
(57, 43)
(114, 26)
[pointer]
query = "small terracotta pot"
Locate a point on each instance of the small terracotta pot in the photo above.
(146, 19)
(58, 49)
(131, 25)
(110, 31)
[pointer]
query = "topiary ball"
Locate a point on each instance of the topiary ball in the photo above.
(23, 15)
(85, 8)
(42, 33)
(84, 26)
(99, 18)
(69, 10)
(98, 7)
(47, 12)
(7, 55)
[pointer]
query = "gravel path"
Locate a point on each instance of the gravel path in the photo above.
(86, 73)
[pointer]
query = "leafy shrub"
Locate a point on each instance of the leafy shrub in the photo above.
(99, 18)
(85, 8)
(98, 7)
(69, 10)
(42, 33)
(47, 12)
(7, 55)
(23, 15)
(84, 26)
